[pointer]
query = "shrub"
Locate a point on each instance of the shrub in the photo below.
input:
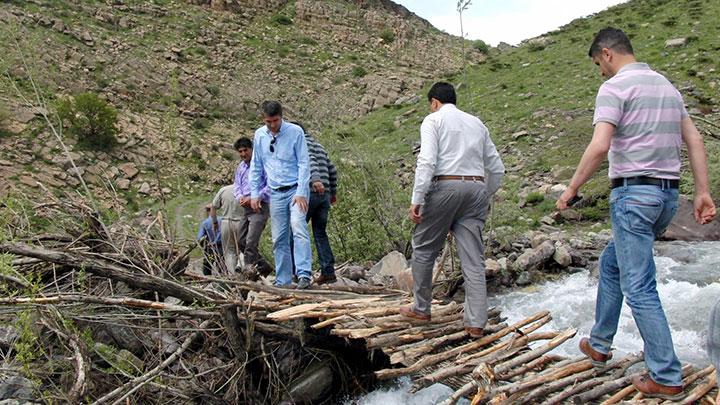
(481, 46)
(535, 197)
(281, 19)
(90, 119)
(387, 36)
(359, 71)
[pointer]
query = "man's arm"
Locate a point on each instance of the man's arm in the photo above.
(591, 159)
(425, 167)
(332, 180)
(303, 161)
(256, 168)
(704, 207)
(493, 166)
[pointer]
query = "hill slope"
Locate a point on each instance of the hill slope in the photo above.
(187, 79)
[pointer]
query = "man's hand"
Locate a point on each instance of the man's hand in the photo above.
(255, 204)
(565, 197)
(704, 209)
(215, 225)
(318, 187)
(245, 202)
(414, 213)
(333, 200)
(301, 203)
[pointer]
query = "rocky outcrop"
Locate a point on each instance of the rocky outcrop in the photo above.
(684, 227)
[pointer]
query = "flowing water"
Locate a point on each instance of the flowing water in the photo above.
(688, 276)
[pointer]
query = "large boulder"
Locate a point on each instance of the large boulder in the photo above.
(533, 257)
(684, 227)
(392, 264)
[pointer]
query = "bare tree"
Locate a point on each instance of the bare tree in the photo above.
(463, 5)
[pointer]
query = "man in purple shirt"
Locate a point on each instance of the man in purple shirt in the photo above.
(253, 222)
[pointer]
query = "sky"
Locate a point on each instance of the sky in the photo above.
(508, 21)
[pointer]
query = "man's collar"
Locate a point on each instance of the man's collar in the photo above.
(633, 66)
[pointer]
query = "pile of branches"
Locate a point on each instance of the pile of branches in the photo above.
(108, 314)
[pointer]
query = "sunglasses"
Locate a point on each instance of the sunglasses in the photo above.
(272, 145)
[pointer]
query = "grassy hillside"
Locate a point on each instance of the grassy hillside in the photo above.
(187, 80)
(537, 100)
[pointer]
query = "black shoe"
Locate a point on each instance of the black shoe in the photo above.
(303, 283)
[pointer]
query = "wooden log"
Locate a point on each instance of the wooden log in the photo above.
(701, 389)
(524, 331)
(553, 374)
(605, 388)
(437, 358)
(540, 362)
(102, 268)
(584, 379)
(466, 367)
(299, 311)
(620, 395)
(504, 368)
(119, 301)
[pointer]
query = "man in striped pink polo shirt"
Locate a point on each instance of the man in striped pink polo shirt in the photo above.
(640, 123)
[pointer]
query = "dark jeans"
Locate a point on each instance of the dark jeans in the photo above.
(318, 212)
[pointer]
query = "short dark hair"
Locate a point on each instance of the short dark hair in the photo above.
(443, 92)
(271, 108)
(611, 38)
(243, 143)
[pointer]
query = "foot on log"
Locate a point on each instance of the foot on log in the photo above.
(410, 313)
(474, 332)
(596, 358)
(651, 389)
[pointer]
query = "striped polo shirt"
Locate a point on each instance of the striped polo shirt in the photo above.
(647, 111)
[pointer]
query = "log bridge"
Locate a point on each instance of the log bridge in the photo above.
(511, 364)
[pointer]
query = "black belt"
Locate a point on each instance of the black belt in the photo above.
(285, 188)
(456, 177)
(644, 181)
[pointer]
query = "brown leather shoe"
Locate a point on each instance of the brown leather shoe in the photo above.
(410, 313)
(325, 278)
(596, 358)
(475, 332)
(651, 389)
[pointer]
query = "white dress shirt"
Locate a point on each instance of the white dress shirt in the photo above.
(453, 142)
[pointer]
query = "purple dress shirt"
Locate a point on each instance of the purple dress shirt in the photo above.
(242, 183)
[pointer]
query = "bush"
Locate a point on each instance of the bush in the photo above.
(281, 19)
(387, 36)
(535, 197)
(359, 71)
(481, 46)
(91, 120)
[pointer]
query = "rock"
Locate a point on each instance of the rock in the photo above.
(492, 267)
(86, 38)
(28, 181)
(59, 25)
(504, 46)
(390, 265)
(684, 227)
(503, 263)
(676, 42)
(562, 255)
(404, 280)
(520, 134)
(18, 388)
(123, 184)
(554, 191)
(168, 343)
(354, 273)
(144, 188)
(410, 99)
(571, 215)
(525, 278)
(8, 336)
(538, 239)
(547, 220)
(313, 385)
(129, 170)
(120, 359)
(533, 257)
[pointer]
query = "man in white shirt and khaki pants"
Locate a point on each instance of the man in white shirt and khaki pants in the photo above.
(458, 170)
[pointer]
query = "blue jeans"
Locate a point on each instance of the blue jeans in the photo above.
(318, 211)
(627, 270)
(287, 219)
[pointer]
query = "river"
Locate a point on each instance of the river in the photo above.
(688, 276)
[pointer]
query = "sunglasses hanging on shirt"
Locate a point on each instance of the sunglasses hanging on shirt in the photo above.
(272, 145)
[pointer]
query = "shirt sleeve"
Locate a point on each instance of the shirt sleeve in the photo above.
(609, 106)
(217, 201)
(426, 161)
(303, 159)
(201, 231)
(238, 190)
(256, 169)
(314, 160)
(492, 165)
